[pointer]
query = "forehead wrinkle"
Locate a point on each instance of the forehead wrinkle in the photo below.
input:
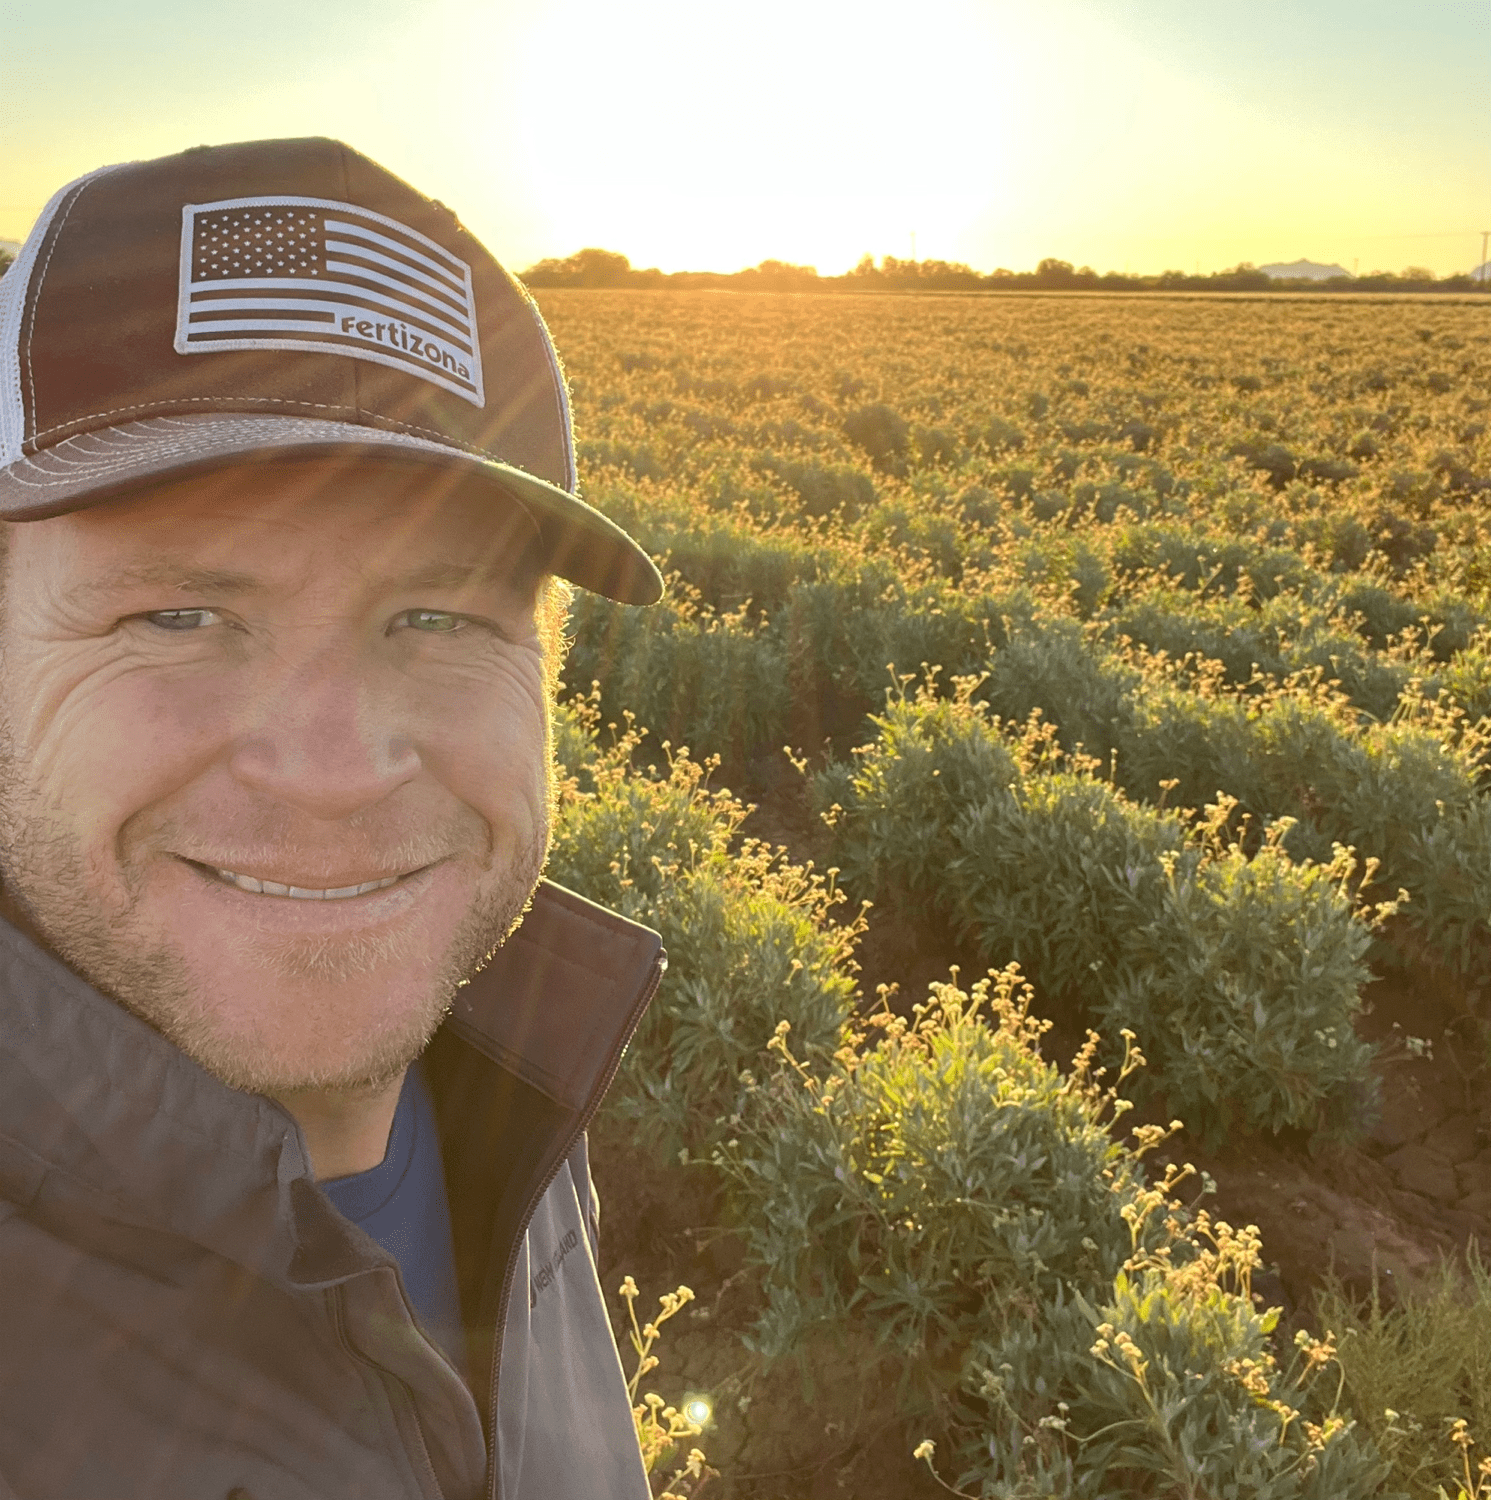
(501, 557)
(446, 575)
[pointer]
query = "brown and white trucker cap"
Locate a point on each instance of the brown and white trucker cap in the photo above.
(235, 304)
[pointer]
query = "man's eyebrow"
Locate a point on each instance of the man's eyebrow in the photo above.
(169, 575)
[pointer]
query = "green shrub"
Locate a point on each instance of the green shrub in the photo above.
(1067, 1329)
(1053, 666)
(716, 683)
(1247, 976)
(1445, 867)
(1465, 679)
(883, 434)
(841, 1168)
(1404, 794)
(1240, 975)
(1273, 640)
(1207, 564)
(822, 489)
(747, 935)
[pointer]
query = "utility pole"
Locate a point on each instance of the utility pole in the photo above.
(913, 247)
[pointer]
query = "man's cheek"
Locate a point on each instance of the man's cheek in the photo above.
(136, 736)
(497, 763)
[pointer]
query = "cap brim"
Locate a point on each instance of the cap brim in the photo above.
(582, 545)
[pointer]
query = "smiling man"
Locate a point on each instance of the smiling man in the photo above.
(297, 1049)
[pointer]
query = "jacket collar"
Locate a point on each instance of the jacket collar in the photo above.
(121, 1119)
(560, 999)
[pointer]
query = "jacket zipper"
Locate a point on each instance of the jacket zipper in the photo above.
(613, 1062)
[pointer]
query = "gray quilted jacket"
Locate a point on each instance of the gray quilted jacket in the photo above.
(183, 1316)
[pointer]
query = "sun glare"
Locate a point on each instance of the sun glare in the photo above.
(719, 135)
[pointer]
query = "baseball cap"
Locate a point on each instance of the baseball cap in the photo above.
(245, 303)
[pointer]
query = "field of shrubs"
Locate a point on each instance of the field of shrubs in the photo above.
(1067, 720)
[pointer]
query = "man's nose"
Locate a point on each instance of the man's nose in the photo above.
(321, 738)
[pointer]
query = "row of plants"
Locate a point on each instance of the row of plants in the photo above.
(1402, 790)
(1031, 1311)
(738, 535)
(1403, 794)
(1068, 1327)
(1240, 968)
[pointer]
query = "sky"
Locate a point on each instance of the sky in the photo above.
(1138, 135)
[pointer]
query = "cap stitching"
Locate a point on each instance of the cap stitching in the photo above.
(36, 296)
(271, 401)
(180, 400)
(123, 459)
(126, 456)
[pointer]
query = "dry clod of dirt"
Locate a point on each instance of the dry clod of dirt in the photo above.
(1418, 1169)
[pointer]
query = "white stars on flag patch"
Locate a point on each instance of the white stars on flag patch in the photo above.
(318, 276)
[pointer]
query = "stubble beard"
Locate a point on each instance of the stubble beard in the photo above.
(46, 884)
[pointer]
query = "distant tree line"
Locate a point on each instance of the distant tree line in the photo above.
(607, 268)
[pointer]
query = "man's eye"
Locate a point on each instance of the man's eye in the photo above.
(183, 619)
(437, 621)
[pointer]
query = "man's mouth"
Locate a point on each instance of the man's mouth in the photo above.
(255, 886)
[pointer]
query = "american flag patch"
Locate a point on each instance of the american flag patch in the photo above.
(310, 274)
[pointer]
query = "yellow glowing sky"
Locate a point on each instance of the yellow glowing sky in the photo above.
(1144, 134)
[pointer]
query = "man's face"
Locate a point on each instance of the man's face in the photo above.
(294, 676)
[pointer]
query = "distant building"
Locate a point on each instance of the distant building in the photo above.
(1303, 270)
(1482, 272)
(10, 247)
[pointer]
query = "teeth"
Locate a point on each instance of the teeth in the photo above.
(301, 893)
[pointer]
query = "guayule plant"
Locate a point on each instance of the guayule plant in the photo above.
(1319, 627)
(1239, 971)
(695, 675)
(1068, 1328)
(1404, 793)
(748, 938)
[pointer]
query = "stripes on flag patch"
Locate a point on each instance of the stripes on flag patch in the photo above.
(311, 274)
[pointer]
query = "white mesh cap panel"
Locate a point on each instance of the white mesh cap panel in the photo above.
(13, 285)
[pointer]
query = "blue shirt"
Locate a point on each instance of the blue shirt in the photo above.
(401, 1203)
